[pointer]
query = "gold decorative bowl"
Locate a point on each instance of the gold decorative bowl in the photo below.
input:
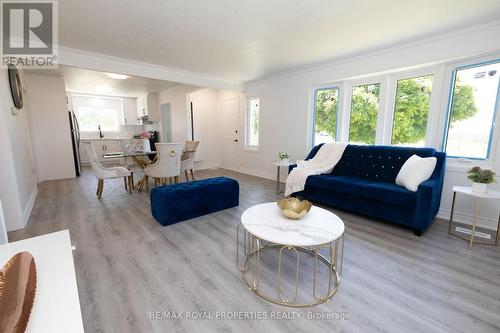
(294, 208)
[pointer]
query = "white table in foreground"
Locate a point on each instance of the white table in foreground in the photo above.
(56, 308)
(265, 227)
(279, 165)
(467, 190)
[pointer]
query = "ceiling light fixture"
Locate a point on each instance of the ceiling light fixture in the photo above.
(117, 76)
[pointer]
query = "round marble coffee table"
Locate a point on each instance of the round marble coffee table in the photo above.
(319, 234)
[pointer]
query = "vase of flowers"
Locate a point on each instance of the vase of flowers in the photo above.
(480, 179)
(283, 157)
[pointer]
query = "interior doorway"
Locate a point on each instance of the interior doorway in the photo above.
(166, 122)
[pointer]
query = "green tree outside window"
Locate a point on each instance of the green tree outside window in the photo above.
(410, 114)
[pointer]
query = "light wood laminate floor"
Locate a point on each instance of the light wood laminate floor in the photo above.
(127, 266)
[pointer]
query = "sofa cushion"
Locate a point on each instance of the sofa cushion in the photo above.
(345, 184)
(315, 181)
(415, 171)
(390, 193)
(379, 163)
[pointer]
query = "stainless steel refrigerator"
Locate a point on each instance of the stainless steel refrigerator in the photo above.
(75, 140)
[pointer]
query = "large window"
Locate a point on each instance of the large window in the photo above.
(326, 102)
(411, 110)
(364, 111)
(252, 123)
(472, 111)
(95, 111)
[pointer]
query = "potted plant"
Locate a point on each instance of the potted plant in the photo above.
(283, 157)
(480, 178)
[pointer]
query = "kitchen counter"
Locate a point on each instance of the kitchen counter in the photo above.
(105, 145)
(106, 138)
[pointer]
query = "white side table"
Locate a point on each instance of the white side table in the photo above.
(467, 190)
(279, 165)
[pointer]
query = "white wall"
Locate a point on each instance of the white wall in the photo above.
(206, 109)
(206, 127)
(17, 181)
(50, 129)
(4, 238)
(286, 103)
(177, 97)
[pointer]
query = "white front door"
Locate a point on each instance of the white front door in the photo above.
(230, 136)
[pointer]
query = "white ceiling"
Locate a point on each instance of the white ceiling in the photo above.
(244, 40)
(93, 82)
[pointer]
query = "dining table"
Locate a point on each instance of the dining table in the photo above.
(138, 157)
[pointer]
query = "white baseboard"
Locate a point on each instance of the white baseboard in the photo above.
(485, 222)
(256, 173)
(203, 166)
(29, 205)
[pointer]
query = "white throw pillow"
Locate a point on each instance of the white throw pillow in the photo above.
(415, 171)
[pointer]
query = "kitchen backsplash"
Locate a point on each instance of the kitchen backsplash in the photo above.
(126, 132)
(155, 126)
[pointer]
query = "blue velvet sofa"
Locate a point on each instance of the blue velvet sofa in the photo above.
(363, 182)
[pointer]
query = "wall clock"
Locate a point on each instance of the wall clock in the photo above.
(16, 88)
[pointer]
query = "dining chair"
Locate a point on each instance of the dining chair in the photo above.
(102, 172)
(128, 146)
(187, 158)
(167, 165)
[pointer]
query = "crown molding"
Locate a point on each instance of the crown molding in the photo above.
(101, 62)
(361, 55)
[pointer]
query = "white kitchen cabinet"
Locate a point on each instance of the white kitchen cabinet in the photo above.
(109, 146)
(84, 157)
(69, 101)
(130, 112)
(141, 106)
(147, 106)
(102, 147)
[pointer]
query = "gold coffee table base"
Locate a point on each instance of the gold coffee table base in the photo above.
(250, 268)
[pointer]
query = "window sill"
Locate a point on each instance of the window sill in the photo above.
(461, 166)
(251, 149)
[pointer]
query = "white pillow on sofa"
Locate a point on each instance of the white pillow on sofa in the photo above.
(415, 171)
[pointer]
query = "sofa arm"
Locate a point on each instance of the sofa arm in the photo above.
(291, 167)
(427, 206)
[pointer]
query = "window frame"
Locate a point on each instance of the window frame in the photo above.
(438, 116)
(315, 91)
(248, 147)
(103, 97)
(493, 133)
(391, 110)
(382, 100)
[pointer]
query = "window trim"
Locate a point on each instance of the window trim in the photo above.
(392, 110)
(382, 80)
(438, 113)
(451, 90)
(248, 147)
(315, 91)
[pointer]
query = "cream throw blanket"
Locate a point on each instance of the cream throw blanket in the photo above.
(323, 162)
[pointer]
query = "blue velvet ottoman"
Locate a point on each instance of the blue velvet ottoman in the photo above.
(175, 203)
